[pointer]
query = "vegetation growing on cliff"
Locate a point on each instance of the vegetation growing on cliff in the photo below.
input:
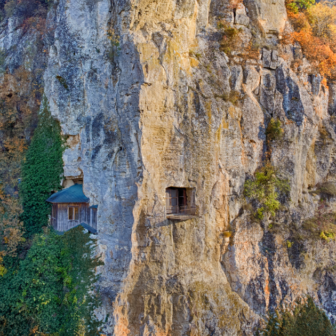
(47, 281)
(115, 44)
(11, 228)
(230, 37)
(19, 102)
(315, 31)
(274, 130)
(26, 8)
(265, 188)
(305, 319)
(52, 290)
(322, 225)
(42, 171)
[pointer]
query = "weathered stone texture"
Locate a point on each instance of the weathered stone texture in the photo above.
(148, 100)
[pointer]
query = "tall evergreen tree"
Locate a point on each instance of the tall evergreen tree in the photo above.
(53, 290)
(42, 171)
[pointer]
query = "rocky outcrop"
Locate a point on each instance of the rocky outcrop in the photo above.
(148, 100)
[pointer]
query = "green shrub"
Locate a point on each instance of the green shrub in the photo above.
(265, 188)
(42, 171)
(51, 291)
(306, 319)
(274, 130)
(297, 6)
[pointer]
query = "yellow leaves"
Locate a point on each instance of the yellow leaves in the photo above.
(227, 234)
(34, 330)
(113, 37)
(327, 235)
(3, 269)
(11, 228)
(322, 18)
(44, 301)
(315, 31)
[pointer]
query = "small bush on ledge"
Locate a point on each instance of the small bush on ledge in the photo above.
(230, 38)
(265, 188)
(274, 130)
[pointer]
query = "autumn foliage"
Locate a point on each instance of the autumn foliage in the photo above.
(315, 30)
(11, 227)
(32, 13)
(19, 103)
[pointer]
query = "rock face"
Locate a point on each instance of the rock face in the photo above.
(144, 92)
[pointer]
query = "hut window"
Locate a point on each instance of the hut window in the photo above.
(180, 201)
(73, 213)
(93, 217)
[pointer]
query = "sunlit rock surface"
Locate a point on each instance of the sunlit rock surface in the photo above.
(144, 92)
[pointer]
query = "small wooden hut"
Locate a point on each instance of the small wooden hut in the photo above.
(70, 208)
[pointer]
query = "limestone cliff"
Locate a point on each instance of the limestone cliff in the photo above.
(149, 99)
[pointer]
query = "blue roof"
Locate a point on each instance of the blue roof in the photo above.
(85, 226)
(73, 194)
(94, 207)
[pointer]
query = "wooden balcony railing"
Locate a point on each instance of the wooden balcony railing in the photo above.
(181, 212)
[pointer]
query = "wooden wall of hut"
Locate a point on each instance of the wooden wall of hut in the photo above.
(60, 216)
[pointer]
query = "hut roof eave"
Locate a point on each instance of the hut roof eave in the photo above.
(73, 194)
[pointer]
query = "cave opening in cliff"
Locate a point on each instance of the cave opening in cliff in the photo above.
(180, 202)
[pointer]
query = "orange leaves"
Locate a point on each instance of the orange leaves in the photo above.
(15, 144)
(11, 228)
(34, 330)
(315, 32)
(19, 104)
(234, 3)
(300, 22)
(36, 22)
(317, 51)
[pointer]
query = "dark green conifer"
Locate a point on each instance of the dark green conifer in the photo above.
(306, 319)
(42, 171)
(52, 291)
